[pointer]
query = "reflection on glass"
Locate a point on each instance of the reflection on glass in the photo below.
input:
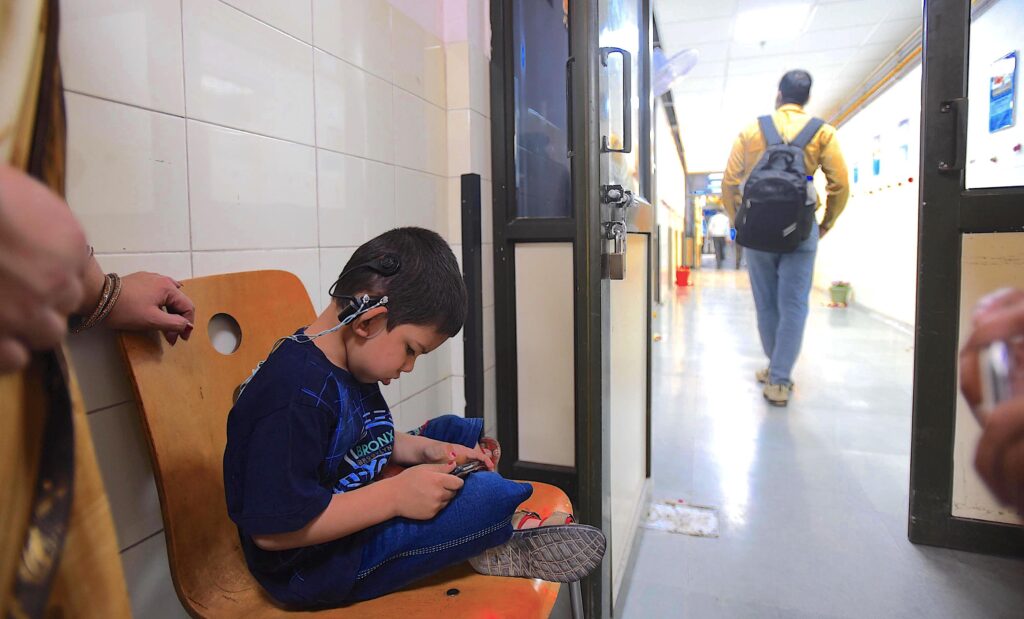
(620, 27)
(994, 133)
(541, 38)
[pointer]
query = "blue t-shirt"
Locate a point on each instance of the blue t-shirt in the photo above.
(302, 430)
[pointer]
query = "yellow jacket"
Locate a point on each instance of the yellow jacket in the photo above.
(822, 151)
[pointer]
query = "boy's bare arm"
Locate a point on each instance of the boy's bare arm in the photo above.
(418, 492)
(410, 450)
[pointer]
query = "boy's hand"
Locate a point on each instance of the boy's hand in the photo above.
(442, 452)
(424, 490)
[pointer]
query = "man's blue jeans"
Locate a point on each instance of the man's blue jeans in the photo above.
(782, 285)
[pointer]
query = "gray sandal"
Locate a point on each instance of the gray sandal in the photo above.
(556, 553)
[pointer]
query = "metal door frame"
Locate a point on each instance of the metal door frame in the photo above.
(947, 210)
(589, 482)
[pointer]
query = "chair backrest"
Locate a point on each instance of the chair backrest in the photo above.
(184, 394)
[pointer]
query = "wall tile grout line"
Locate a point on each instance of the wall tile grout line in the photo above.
(272, 26)
(421, 391)
(264, 135)
(141, 541)
(107, 407)
(313, 45)
(316, 159)
(184, 107)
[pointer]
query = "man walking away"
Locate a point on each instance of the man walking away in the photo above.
(718, 229)
(759, 190)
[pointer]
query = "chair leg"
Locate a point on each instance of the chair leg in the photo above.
(576, 597)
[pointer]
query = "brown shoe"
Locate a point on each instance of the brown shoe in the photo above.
(777, 395)
(763, 376)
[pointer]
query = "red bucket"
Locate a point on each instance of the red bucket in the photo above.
(683, 276)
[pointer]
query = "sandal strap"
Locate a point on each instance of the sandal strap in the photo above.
(527, 515)
(569, 518)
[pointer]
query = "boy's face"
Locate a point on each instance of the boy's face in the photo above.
(382, 355)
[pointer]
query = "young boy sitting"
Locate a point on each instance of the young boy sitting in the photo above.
(310, 433)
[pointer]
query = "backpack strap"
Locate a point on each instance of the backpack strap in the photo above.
(768, 130)
(807, 133)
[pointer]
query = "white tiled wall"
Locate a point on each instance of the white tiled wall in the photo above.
(467, 61)
(209, 136)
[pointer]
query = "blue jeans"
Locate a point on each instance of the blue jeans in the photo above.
(400, 551)
(782, 284)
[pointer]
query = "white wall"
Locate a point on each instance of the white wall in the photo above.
(208, 136)
(670, 180)
(874, 242)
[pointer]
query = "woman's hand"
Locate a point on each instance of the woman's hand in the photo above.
(153, 302)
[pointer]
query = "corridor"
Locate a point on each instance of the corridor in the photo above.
(813, 497)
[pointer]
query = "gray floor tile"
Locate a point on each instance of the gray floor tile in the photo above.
(813, 497)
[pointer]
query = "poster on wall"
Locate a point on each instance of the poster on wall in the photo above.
(876, 156)
(903, 131)
(1002, 87)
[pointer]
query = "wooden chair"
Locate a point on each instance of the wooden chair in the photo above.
(184, 395)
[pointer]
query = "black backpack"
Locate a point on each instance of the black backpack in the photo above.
(777, 213)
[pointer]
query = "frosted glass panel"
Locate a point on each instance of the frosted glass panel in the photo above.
(544, 346)
(628, 404)
(988, 262)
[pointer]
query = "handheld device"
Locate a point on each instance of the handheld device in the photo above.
(997, 369)
(465, 469)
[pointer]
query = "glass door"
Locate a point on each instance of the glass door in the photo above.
(627, 219)
(971, 217)
(572, 255)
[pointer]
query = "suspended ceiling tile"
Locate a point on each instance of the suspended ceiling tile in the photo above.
(893, 32)
(906, 9)
(755, 66)
(693, 33)
(851, 13)
(712, 52)
(687, 10)
(702, 85)
(708, 68)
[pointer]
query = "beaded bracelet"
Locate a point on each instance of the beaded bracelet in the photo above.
(108, 297)
(114, 295)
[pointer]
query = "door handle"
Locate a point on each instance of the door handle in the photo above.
(627, 100)
(569, 141)
(958, 107)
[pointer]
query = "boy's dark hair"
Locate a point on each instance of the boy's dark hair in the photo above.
(795, 87)
(428, 288)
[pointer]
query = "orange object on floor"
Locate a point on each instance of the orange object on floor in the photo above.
(184, 394)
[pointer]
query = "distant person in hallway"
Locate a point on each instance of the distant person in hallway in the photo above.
(1000, 456)
(718, 229)
(781, 281)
